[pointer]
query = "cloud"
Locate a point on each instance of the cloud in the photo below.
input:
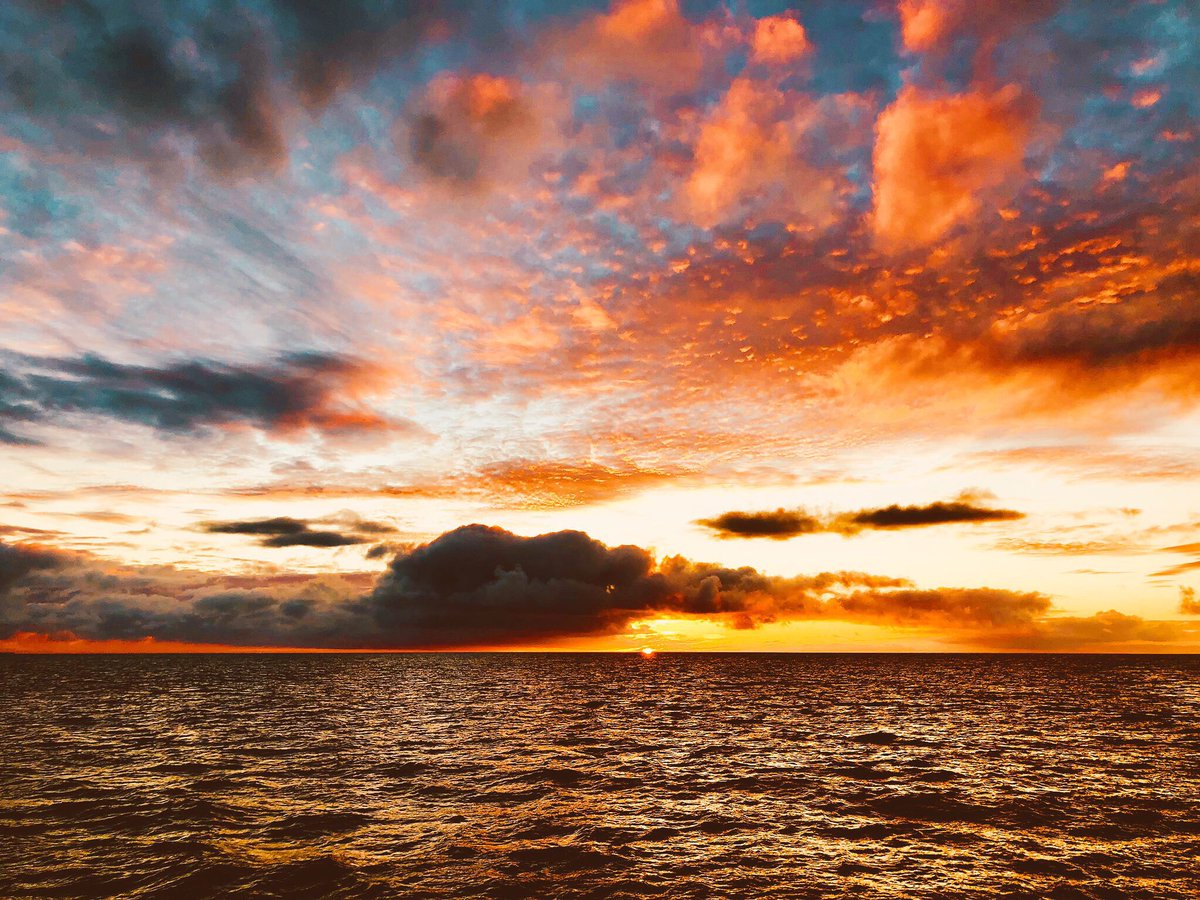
(470, 131)
(288, 532)
(951, 607)
(49, 592)
(278, 526)
(478, 586)
(481, 585)
(301, 392)
(225, 80)
(17, 561)
(521, 483)
(1067, 548)
(779, 40)
(1188, 604)
(783, 523)
(931, 514)
(780, 524)
(1104, 630)
(1181, 568)
(933, 26)
(547, 484)
(750, 158)
(937, 157)
(649, 42)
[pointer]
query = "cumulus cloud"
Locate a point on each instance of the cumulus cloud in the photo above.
(938, 156)
(778, 40)
(783, 523)
(750, 156)
(485, 586)
(318, 392)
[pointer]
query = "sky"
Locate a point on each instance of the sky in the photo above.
(682, 325)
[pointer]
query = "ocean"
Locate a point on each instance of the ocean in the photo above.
(599, 775)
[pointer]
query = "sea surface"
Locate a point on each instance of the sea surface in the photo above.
(589, 775)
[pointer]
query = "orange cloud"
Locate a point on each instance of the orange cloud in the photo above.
(930, 26)
(749, 157)
(779, 39)
(937, 158)
(645, 41)
(922, 23)
(1188, 604)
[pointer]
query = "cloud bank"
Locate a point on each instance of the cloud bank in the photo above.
(479, 586)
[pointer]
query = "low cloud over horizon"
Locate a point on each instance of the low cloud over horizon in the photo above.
(480, 586)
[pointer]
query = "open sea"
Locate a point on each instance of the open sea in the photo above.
(599, 775)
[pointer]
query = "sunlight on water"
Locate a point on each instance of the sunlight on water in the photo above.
(597, 775)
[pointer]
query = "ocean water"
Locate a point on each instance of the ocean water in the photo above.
(558, 775)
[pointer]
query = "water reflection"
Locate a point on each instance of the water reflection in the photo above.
(599, 775)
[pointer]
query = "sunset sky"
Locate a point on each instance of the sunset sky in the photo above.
(371, 325)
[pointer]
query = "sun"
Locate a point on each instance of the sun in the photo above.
(647, 651)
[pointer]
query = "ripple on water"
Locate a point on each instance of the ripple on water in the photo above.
(684, 776)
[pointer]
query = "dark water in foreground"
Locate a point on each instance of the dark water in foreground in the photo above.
(599, 776)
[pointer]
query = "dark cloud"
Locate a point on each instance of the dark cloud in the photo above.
(931, 514)
(486, 586)
(17, 561)
(1144, 324)
(292, 393)
(136, 69)
(783, 523)
(50, 592)
(469, 131)
(287, 532)
(281, 525)
(220, 76)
